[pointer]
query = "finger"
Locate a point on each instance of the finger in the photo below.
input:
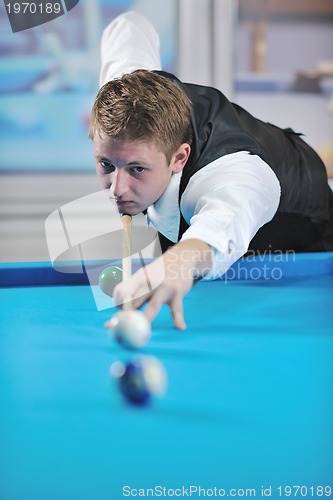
(154, 306)
(138, 297)
(125, 291)
(177, 312)
(121, 294)
(141, 297)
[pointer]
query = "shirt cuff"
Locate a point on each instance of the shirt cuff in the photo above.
(225, 252)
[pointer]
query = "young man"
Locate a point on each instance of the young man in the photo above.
(215, 181)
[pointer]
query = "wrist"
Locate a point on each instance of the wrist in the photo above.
(192, 258)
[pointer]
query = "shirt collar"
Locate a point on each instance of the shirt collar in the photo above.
(165, 213)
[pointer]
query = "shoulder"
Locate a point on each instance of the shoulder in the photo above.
(231, 173)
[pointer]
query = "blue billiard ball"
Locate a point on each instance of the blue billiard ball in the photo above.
(140, 378)
(132, 383)
(109, 278)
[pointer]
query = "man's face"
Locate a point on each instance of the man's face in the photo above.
(137, 173)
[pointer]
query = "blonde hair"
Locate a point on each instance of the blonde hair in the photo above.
(143, 106)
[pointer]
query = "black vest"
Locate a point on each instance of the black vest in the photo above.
(221, 127)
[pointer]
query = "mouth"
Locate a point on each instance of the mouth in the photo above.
(125, 203)
(127, 207)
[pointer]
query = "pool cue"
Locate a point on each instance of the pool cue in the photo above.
(127, 255)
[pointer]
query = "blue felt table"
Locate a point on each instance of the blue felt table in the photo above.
(249, 402)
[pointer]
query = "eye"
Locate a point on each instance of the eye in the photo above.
(137, 170)
(107, 167)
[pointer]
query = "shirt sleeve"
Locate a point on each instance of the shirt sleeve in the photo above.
(128, 43)
(226, 203)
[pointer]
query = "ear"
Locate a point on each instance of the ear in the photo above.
(180, 157)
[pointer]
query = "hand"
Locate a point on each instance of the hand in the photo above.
(167, 280)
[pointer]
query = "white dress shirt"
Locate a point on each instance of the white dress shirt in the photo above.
(128, 43)
(224, 203)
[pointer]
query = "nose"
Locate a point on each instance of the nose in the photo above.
(119, 183)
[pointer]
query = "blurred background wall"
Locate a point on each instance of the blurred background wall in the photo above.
(274, 57)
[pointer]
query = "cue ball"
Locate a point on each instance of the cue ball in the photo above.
(140, 379)
(109, 278)
(131, 328)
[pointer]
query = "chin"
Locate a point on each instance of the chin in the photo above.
(130, 211)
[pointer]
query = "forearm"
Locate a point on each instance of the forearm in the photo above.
(188, 260)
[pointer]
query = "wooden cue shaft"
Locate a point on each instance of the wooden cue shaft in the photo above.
(127, 254)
